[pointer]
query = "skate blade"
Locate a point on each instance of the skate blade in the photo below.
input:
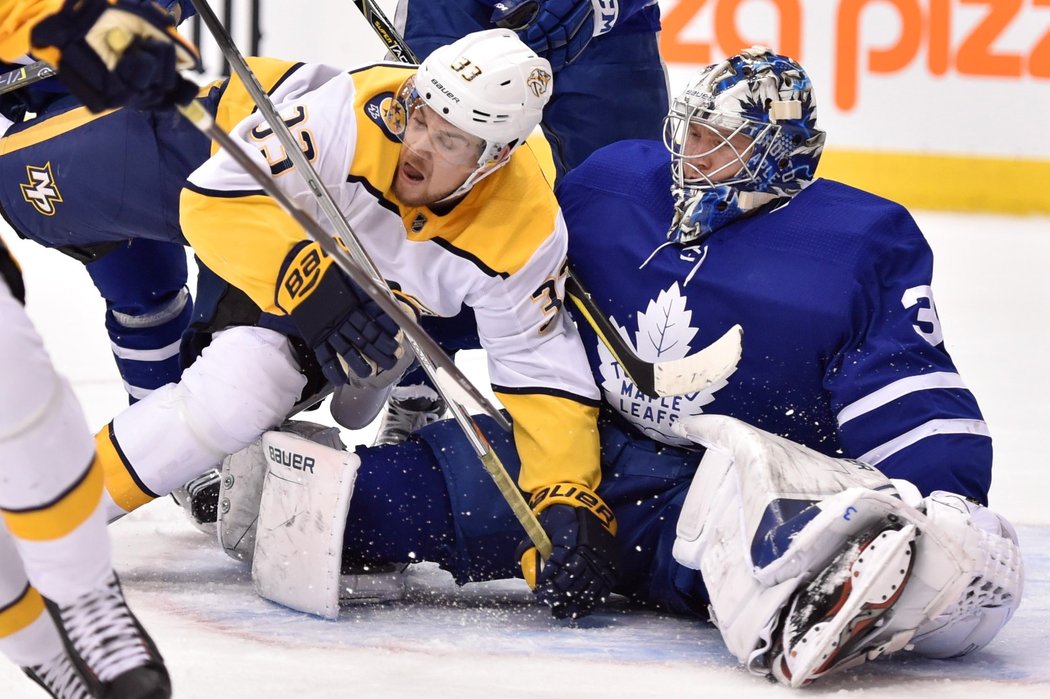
(874, 582)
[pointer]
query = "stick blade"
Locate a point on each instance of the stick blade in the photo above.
(702, 369)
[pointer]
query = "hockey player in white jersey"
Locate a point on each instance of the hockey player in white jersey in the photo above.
(437, 172)
(63, 616)
(847, 521)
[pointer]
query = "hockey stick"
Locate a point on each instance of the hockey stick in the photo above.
(26, 75)
(448, 379)
(672, 377)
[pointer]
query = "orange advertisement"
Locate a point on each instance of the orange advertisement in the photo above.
(917, 96)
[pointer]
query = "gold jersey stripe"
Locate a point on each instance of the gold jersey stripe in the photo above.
(18, 18)
(48, 129)
(375, 154)
(556, 438)
(235, 103)
(503, 220)
(247, 256)
(22, 612)
(60, 517)
(121, 482)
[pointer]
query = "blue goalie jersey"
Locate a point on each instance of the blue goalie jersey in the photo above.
(842, 347)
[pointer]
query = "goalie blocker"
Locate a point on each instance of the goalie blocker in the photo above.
(815, 564)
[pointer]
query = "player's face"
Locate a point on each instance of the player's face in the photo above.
(436, 158)
(713, 154)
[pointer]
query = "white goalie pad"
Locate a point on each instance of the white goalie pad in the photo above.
(299, 541)
(764, 516)
(993, 568)
(241, 484)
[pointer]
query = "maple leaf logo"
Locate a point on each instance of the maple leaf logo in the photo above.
(664, 332)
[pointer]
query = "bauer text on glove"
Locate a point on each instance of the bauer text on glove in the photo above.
(584, 564)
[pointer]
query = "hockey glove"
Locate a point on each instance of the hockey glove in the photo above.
(584, 565)
(345, 328)
(558, 30)
(78, 39)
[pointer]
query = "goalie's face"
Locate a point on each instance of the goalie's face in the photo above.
(436, 158)
(707, 154)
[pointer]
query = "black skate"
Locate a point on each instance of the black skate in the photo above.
(60, 678)
(109, 647)
(834, 622)
(199, 498)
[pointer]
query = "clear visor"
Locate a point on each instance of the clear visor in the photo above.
(423, 131)
(710, 148)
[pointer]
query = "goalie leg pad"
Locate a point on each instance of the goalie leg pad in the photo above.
(241, 485)
(992, 567)
(302, 515)
(762, 516)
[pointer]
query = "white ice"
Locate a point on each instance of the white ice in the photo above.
(220, 640)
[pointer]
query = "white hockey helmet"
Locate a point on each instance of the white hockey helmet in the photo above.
(490, 85)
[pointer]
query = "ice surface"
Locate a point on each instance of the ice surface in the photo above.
(489, 640)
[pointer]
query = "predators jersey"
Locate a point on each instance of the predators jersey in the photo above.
(17, 19)
(501, 250)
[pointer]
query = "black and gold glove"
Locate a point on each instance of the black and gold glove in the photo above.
(584, 565)
(112, 53)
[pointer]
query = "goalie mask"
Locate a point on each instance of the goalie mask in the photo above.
(742, 135)
(489, 85)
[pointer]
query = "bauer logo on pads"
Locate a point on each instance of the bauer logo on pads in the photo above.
(290, 459)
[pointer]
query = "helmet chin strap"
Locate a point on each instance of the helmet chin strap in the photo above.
(486, 166)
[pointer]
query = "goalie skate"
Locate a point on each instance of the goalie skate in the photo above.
(834, 622)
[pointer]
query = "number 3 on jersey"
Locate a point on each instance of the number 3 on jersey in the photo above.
(281, 163)
(926, 313)
(550, 298)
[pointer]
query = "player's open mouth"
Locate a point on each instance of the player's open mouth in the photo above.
(411, 173)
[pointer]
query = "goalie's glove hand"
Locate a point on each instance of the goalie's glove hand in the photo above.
(112, 53)
(558, 30)
(346, 329)
(584, 564)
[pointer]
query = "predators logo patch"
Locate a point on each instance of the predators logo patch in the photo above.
(41, 190)
(539, 82)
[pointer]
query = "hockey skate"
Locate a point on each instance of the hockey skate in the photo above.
(410, 408)
(835, 621)
(199, 498)
(59, 678)
(371, 584)
(108, 646)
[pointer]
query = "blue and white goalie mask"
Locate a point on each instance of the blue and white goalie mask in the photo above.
(742, 135)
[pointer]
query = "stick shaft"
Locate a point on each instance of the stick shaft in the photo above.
(429, 354)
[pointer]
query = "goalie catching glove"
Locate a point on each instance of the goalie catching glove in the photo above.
(584, 564)
(345, 328)
(112, 53)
